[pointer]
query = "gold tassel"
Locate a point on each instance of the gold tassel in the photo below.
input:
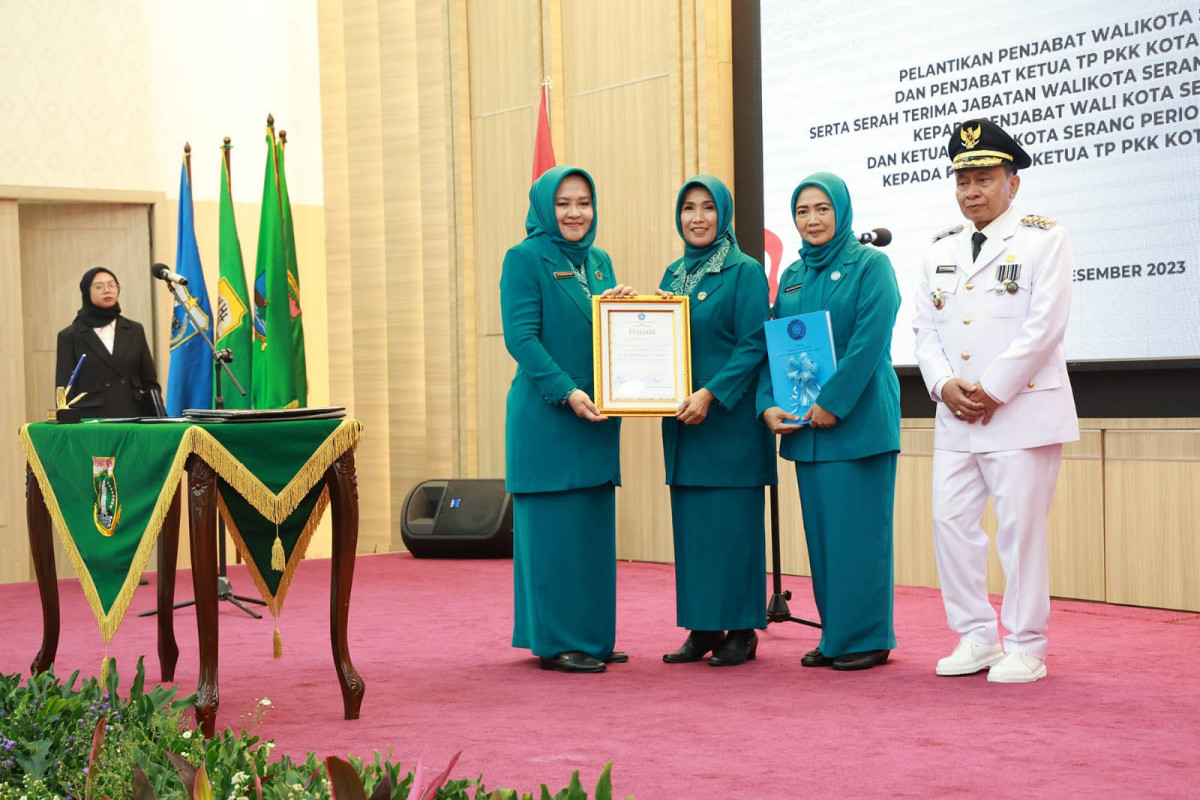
(278, 562)
(105, 667)
(278, 644)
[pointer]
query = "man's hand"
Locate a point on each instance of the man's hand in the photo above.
(976, 392)
(958, 397)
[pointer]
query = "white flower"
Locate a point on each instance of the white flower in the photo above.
(264, 702)
(187, 734)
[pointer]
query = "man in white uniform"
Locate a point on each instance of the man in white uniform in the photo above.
(990, 317)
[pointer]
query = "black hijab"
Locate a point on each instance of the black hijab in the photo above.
(91, 314)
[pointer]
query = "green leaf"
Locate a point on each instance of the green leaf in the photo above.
(604, 785)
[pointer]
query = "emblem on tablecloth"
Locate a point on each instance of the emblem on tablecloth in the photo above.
(106, 512)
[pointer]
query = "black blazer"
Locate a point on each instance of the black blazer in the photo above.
(118, 384)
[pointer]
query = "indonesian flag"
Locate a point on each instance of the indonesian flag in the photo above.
(543, 148)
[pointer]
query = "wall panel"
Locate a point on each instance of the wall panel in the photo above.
(1151, 509)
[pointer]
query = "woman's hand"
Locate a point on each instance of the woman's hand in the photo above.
(694, 407)
(774, 418)
(818, 417)
(663, 293)
(583, 406)
(620, 290)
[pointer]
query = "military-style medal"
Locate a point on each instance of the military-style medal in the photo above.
(1007, 274)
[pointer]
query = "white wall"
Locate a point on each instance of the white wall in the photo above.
(103, 95)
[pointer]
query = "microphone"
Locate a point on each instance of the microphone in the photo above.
(880, 237)
(161, 272)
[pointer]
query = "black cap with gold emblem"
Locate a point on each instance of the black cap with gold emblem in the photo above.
(983, 143)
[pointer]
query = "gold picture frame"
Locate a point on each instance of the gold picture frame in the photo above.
(642, 354)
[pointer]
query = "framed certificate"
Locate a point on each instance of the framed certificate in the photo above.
(643, 355)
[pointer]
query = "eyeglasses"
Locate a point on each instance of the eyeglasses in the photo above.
(100, 287)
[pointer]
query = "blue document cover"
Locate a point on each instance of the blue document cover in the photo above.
(801, 355)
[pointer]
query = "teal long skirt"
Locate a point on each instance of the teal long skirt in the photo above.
(847, 508)
(720, 558)
(565, 571)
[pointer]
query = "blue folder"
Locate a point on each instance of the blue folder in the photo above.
(802, 358)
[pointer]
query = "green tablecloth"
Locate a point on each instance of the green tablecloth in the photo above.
(108, 487)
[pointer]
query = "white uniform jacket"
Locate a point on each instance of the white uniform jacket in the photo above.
(1010, 342)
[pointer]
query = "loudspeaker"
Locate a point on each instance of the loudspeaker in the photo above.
(458, 519)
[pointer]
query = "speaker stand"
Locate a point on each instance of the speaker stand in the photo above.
(224, 586)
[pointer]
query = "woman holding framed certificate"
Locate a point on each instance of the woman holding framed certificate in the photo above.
(846, 445)
(718, 455)
(561, 455)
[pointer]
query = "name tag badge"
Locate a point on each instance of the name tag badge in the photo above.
(565, 274)
(795, 287)
(942, 269)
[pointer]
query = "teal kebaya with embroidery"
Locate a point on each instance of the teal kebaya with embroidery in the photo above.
(561, 457)
(718, 455)
(846, 456)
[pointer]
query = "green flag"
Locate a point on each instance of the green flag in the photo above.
(234, 319)
(273, 382)
(299, 373)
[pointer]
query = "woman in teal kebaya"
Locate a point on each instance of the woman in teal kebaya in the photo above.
(561, 455)
(846, 452)
(718, 455)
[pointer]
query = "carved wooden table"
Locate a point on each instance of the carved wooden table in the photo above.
(340, 479)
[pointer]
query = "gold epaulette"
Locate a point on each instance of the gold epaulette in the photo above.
(1038, 221)
(947, 232)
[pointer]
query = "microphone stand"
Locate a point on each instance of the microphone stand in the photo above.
(221, 361)
(777, 607)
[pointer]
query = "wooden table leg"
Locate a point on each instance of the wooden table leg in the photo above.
(41, 545)
(168, 559)
(202, 515)
(343, 487)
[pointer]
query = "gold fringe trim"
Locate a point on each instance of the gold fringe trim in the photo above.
(275, 602)
(277, 644)
(112, 620)
(278, 563)
(105, 669)
(276, 507)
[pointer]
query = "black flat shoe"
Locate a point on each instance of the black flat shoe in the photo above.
(573, 661)
(738, 648)
(864, 660)
(617, 657)
(697, 645)
(815, 658)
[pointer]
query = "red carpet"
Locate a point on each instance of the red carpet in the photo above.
(1119, 714)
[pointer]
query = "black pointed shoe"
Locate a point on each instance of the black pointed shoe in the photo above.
(697, 645)
(815, 658)
(617, 657)
(738, 648)
(574, 661)
(863, 660)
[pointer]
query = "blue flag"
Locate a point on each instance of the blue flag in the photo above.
(190, 379)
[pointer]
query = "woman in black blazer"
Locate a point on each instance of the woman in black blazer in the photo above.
(118, 372)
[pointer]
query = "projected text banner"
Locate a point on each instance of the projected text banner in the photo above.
(1104, 96)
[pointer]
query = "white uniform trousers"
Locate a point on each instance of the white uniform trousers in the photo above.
(1021, 483)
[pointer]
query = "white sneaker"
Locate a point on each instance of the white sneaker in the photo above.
(969, 658)
(1018, 667)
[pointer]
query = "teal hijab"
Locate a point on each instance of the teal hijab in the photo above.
(541, 221)
(693, 257)
(820, 256)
